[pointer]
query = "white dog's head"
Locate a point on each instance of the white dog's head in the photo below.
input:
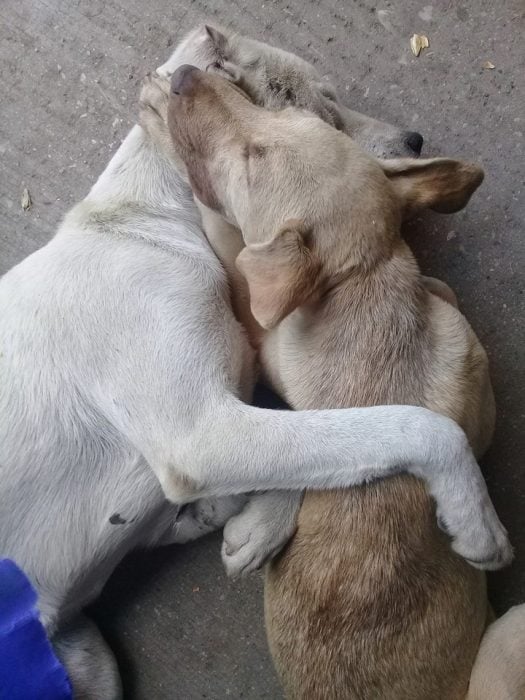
(276, 79)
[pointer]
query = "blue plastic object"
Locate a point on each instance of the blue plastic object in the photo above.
(29, 669)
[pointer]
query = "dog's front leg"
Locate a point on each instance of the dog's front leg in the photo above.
(202, 441)
(201, 517)
(260, 530)
(249, 449)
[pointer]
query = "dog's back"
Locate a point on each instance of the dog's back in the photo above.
(368, 600)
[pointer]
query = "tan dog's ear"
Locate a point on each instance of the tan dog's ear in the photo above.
(281, 274)
(442, 184)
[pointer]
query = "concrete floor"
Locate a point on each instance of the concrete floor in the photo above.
(69, 78)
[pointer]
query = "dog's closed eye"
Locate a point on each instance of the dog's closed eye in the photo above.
(254, 151)
(225, 69)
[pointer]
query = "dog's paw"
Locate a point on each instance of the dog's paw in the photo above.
(467, 514)
(196, 519)
(153, 108)
(463, 506)
(486, 547)
(259, 532)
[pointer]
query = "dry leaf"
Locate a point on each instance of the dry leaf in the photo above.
(489, 65)
(195, 589)
(418, 42)
(26, 199)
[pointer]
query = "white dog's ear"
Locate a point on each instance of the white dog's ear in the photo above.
(441, 184)
(217, 38)
(281, 274)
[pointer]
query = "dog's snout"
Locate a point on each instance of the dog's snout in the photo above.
(414, 141)
(183, 80)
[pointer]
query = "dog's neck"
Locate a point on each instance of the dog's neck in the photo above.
(376, 319)
(141, 173)
(227, 242)
(143, 183)
(392, 283)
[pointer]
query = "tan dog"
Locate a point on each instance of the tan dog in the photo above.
(368, 600)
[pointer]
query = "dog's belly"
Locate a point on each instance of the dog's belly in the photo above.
(368, 601)
(69, 527)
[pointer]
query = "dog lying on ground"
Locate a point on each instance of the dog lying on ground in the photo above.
(368, 600)
(123, 377)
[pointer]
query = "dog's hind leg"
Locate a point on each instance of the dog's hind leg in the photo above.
(499, 668)
(88, 660)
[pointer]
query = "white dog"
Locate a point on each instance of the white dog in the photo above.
(123, 376)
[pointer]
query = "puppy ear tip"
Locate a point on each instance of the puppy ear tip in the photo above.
(239, 260)
(470, 166)
(267, 324)
(479, 174)
(475, 174)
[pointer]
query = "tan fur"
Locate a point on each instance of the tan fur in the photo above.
(280, 274)
(362, 608)
(367, 601)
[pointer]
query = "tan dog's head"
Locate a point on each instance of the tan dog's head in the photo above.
(276, 79)
(312, 206)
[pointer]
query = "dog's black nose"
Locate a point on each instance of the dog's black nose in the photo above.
(414, 141)
(182, 81)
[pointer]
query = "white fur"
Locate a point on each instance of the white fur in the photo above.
(123, 374)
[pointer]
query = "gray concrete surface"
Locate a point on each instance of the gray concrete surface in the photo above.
(69, 79)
